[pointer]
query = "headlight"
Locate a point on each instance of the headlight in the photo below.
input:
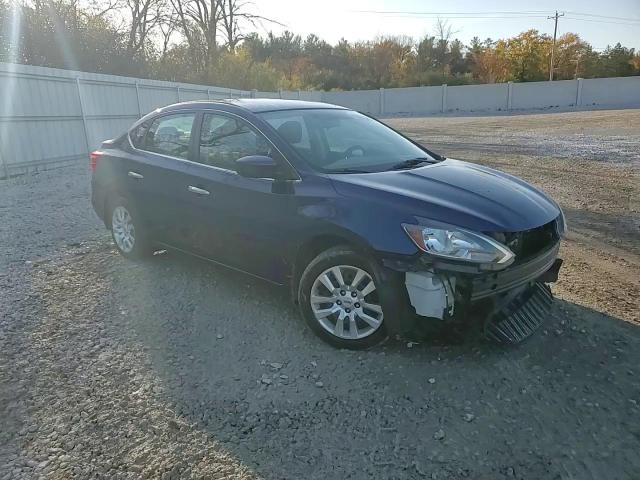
(459, 244)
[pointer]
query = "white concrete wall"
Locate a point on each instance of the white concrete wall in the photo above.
(412, 100)
(533, 95)
(624, 91)
(306, 95)
(497, 97)
(367, 101)
(258, 94)
(311, 95)
(477, 98)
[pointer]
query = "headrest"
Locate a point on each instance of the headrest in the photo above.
(291, 131)
(167, 131)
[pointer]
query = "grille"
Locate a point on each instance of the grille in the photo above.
(529, 243)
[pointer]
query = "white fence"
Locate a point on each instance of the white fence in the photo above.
(53, 116)
(496, 97)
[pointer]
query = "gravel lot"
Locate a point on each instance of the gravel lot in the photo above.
(171, 368)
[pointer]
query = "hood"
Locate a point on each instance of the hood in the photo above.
(455, 192)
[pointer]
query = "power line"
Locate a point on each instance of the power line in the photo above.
(468, 16)
(603, 21)
(603, 16)
(404, 12)
(501, 14)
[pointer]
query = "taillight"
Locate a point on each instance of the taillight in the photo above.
(93, 159)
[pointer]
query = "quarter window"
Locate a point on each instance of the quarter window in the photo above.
(168, 135)
(225, 139)
(139, 133)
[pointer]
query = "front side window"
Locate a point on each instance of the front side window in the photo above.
(167, 135)
(225, 139)
(342, 141)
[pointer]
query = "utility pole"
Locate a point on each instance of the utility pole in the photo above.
(553, 47)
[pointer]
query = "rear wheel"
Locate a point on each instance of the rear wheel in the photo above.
(127, 230)
(343, 299)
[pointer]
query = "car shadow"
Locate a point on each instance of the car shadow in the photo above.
(237, 361)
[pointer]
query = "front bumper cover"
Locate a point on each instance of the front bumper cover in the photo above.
(513, 277)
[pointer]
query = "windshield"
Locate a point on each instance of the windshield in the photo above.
(344, 141)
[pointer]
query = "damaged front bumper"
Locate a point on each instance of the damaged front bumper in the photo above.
(544, 267)
(515, 300)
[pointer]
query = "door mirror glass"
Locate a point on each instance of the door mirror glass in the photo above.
(258, 166)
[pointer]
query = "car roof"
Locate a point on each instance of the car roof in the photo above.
(256, 105)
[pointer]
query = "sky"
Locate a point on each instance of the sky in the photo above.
(336, 19)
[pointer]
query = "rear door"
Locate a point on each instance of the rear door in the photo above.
(159, 173)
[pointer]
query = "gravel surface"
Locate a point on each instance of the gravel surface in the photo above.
(171, 368)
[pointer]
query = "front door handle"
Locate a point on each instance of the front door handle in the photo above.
(198, 191)
(135, 175)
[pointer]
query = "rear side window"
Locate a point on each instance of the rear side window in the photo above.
(167, 135)
(225, 139)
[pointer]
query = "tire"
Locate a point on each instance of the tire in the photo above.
(352, 301)
(127, 230)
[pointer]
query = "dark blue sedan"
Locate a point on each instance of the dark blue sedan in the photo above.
(371, 231)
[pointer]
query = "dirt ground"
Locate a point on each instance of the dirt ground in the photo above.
(172, 368)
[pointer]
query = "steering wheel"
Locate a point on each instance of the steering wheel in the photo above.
(349, 152)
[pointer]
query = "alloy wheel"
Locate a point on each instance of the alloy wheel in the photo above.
(124, 232)
(345, 302)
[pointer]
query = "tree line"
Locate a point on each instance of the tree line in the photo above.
(216, 42)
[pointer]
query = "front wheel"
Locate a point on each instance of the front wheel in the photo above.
(127, 230)
(343, 299)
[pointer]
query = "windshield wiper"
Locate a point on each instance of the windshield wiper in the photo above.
(412, 163)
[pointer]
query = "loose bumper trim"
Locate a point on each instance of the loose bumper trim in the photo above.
(522, 317)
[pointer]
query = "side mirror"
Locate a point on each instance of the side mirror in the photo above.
(258, 166)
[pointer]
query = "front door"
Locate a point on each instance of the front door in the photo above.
(238, 221)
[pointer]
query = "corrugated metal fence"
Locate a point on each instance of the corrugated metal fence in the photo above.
(52, 117)
(56, 116)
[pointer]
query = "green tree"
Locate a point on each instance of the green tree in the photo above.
(426, 54)
(617, 61)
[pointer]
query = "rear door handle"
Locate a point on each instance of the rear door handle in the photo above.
(135, 175)
(198, 191)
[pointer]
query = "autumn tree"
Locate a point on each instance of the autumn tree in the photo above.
(489, 62)
(526, 55)
(573, 57)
